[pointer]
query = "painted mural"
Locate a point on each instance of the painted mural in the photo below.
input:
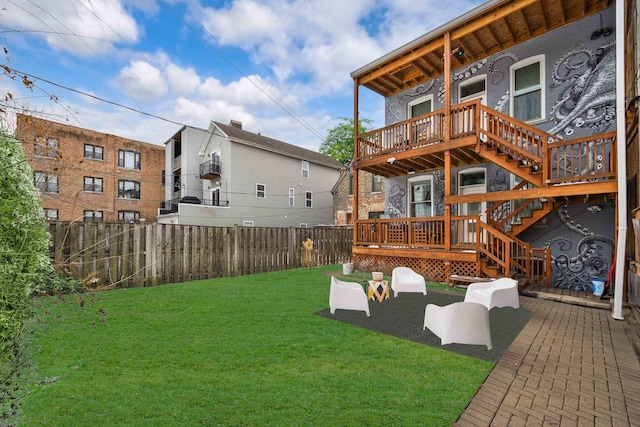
(581, 253)
(579, 101)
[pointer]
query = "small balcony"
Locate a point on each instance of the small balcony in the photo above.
(211, 169)
(172, 206)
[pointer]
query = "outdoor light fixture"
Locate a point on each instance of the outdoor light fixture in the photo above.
(411, 172)
(459, 51)
(390, 160)
(602, 31)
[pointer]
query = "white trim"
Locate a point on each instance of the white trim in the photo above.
(247, 223)
(264, 196)
(482, 95)
(409, 193)
(540, 59)
(306, 169)
(419, 101)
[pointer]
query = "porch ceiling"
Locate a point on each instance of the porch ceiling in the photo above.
(422, 160)
(486, 30)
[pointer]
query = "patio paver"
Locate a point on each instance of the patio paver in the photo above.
(571, 365)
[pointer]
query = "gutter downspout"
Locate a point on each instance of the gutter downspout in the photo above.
(621, 139)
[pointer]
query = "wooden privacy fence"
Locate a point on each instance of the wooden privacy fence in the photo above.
(134, 255)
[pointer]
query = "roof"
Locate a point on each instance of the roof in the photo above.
(483, 31)
(276, 146)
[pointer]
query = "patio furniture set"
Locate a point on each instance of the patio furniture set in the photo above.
(465, 322)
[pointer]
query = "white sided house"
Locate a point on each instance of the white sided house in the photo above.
(225, 176)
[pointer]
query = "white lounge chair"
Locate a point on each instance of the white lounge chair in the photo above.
(347, 296)
(499, 293)
(460, 323)
(404, 279)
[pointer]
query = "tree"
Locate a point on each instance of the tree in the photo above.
(24, 266)
(339, 142)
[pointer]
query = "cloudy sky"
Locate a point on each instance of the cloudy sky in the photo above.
(281, 67)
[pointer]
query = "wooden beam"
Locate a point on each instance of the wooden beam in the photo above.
(500, 12)
(577, 189)
(399, 62)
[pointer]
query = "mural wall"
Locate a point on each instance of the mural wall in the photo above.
(579, 100)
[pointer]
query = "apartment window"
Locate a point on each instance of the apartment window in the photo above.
(128, 216)
(50, 214)
(308, 199)
(128, 159)
(128, 189)
(46, 147)
(291, 194)
(305, 169)
(176, 180)
(376, 184)
(376, 215)
(261, 191)
(420, 106)
(93, 184)
(93, 216)
(46, 182)
(527, 89)
(420, 197)
(93, 152)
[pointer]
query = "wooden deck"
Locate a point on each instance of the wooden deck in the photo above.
(583, 298)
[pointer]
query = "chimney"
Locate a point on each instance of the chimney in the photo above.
(236, 124)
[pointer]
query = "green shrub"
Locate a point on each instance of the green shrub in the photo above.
(25, 267)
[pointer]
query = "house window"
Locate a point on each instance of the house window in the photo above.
(128, 216)
(376, 184)
(305, 169)
(46, 182)
(420, 106)
(303, 225)
(93, 184)
(93, 152)
(420, 192)
(215, 196)
(349, 218)
(261, 191)
(46, 147)
(351, 185)
(527, 89)
(176, 180)
(128, 159)
(92, 216)
(473, 88)
(50, 214)
(376, 215)
(128, 189)
(291, 194)
(308, 199)
(247, 223)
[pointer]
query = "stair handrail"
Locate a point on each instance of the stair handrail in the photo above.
(493, 212)
(527, 143)
(513, 255)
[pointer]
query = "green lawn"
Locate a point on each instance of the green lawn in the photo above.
(235, 351)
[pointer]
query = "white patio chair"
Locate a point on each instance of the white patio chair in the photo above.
(404, 279)
(499, 293)
(347, 296)
(460, 323)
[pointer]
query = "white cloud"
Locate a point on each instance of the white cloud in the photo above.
(143, 82)
(82, 27)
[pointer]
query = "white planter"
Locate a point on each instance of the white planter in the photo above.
(347, 268)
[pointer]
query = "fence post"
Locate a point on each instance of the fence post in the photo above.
(236, 251)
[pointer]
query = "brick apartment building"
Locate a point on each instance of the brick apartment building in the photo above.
(84, 175)
(370, 194)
